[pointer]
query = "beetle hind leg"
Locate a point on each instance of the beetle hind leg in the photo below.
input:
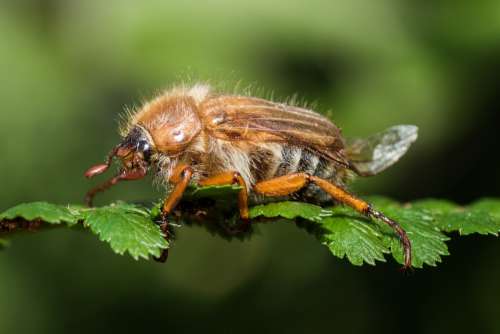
(289, 184)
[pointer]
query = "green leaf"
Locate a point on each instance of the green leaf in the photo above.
(482, 217)
(490, 205)
(349, 235)
(290, 210)
(469, 222)
(127, 228)
(436, 206)
(49, 213)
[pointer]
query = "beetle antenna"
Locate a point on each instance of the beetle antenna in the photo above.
(101, 168)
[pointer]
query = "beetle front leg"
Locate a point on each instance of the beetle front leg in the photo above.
(180, 178)
(123, 175)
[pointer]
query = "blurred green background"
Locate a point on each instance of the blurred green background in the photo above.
(68, 69)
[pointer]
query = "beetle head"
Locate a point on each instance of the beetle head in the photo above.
(134, 151)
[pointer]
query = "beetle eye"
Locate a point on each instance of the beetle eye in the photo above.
(144, 147)
(147, 155)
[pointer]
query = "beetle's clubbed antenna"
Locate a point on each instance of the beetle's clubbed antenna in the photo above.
(101, 168)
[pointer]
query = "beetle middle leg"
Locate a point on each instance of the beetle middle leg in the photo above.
(288, 184)
(231, 178)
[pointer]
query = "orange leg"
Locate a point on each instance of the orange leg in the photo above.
(180, 178)
(288, 184)
(231, 178)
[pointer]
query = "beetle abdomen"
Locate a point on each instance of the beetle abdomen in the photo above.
(258, 162)
(291, 159)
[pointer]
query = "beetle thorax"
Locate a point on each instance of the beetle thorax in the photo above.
(172, 122)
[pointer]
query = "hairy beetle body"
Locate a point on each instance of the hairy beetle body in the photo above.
(272, 150)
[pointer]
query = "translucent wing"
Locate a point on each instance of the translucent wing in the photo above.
(236, 118)
(372, 155)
